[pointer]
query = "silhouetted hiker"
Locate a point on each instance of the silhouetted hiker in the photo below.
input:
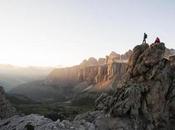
(145, 37)
(157, 40)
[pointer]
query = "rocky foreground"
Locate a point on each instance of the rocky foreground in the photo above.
(144, 101)
(6, 110)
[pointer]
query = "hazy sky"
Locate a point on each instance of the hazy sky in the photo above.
(64, 32)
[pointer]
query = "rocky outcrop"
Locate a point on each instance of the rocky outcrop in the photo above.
(146, 97)
(38, 122)
(6, 110)
(88, 121)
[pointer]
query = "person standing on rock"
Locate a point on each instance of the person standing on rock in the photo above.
(157, 40)
(144, 38)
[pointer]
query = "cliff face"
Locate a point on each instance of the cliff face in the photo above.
(6, 110)
(64, 76)
(111, 71)
(98, 73)
(88, 74)
(99, 76)
(146, 99)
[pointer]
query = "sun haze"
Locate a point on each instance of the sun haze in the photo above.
(64, 32)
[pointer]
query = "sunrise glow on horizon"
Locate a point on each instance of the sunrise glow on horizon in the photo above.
(64, 32)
